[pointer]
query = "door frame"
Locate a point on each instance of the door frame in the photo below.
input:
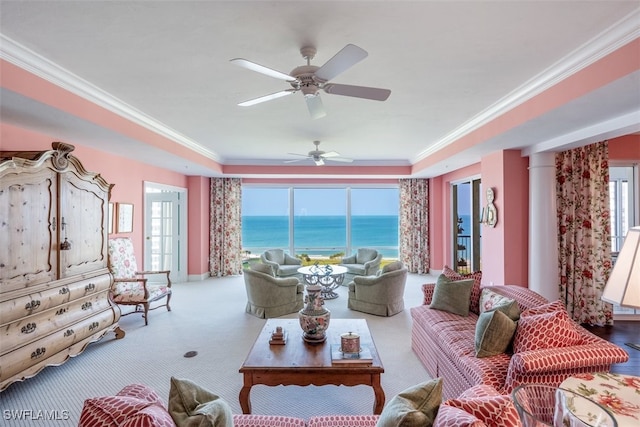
(180, 240)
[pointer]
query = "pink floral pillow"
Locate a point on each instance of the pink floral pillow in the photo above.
(495, 411)
(547, 330)
(474, 302)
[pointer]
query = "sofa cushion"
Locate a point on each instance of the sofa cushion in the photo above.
(549, 307)
(474, 301)
(416, 406)
(546, 330)
(340, 421)
(490, 300)
(451, 295)
(262, 268)
(448, 416)
(494, 332)
(252, 420)
(134, 405)
(495, 411)
(192, 405)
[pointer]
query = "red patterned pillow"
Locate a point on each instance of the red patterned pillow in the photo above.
(495, 411)
(474, 302)
(448, 416)
(545, 308)
(547, 330)
(134, 405)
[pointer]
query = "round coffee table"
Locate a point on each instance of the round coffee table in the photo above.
(327, 276)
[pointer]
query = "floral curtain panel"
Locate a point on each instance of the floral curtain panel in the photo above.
(414, 225)
(225, 252)
(582, 189)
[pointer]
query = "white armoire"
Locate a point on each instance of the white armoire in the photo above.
(54, 280)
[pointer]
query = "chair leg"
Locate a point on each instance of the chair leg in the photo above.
(168, 299)
(146, 313)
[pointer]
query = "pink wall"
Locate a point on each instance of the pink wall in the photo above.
(128, 177)
(625, 148)
(199, 195)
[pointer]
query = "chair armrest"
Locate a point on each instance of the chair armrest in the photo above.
(165, 272)
(349, 260)
(141, 280)
(427, 291)
(287, 282)
(566, 358)
(291, 260)
(366, 280)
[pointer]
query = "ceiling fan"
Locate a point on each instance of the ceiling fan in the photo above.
(310, 79)
(319, 156)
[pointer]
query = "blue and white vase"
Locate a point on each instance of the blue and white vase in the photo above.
(314, 318)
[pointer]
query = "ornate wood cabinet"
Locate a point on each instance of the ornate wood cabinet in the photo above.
(54, 280)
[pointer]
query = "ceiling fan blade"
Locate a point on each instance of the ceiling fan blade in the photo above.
(315, 106)
(266, 98)
(339, 159)
(295, 160)
(373, 93)
(341, 61)
(262, 69)
(330, 154)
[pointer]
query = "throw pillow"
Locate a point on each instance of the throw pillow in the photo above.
(192, 405)
(494, 332)
(392, 266)
(547, 330)
(262, 268)
(448, 416)
(496, 411)
(490, 300)
(474, 301)
(416, 406)
(452, 296)
(135, 404)
(545, 308)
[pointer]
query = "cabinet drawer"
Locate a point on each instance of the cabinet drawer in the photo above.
(30, 328)
(37, 302)
(35, 352)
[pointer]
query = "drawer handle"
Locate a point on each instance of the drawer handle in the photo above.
(38, 353)
(90, 287)
(87, 305)
(64, 291)
(94, 325)
(62, 311)
(32, 305)
(68, 333)
(28, 328)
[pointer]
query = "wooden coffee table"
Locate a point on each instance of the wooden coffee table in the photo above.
(300, 363)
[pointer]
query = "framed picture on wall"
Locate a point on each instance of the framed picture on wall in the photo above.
(125, 218)
(110, 219)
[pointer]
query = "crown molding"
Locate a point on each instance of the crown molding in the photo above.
(608, 41)
(40, 66)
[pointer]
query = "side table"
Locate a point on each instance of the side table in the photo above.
(619, 393)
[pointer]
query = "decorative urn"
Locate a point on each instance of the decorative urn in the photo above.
(314, 318)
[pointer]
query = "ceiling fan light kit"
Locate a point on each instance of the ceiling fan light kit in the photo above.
(310, 79)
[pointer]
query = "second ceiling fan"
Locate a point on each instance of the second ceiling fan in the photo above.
(310, 79)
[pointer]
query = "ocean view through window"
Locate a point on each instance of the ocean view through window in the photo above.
(320, 221)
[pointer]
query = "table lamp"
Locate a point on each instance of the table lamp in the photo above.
(623, 286)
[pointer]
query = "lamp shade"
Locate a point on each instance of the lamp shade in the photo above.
(623, 287)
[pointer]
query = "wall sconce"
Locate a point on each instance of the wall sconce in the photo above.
(489, 215)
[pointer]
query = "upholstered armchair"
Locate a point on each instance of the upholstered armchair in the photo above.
(283, 264)
(365, 262)
(269, 296)
(382, 294)
(132, 287)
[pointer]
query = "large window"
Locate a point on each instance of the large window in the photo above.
(320, 220)
(624, 207)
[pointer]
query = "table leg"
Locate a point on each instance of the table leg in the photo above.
(378, 403)
(245, 401)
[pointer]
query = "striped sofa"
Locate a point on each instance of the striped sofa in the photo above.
(445, 344)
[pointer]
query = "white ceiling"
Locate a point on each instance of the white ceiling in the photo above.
(451, 66)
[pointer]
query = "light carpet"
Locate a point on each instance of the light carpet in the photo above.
(208, 317)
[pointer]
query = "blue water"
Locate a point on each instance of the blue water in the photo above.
(321, 235)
